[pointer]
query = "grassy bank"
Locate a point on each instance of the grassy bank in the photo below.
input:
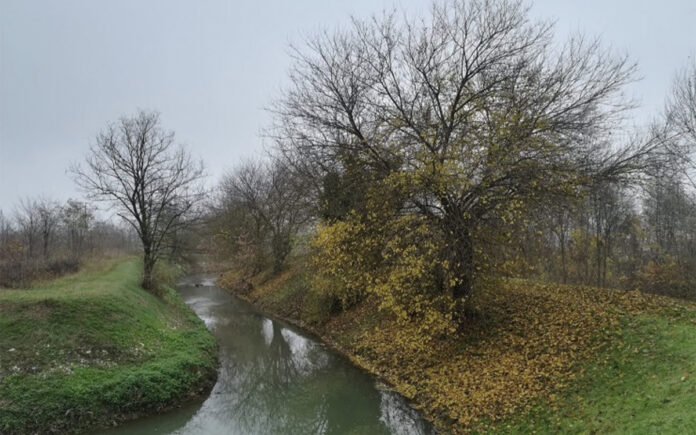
(94, 349)
(533, 358)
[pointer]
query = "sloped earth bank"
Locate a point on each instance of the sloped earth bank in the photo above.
(275, 379)
(94, 349)
(533, 357)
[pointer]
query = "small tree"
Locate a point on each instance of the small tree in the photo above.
(27, 218)
(153, 184)
(5, 229)
(77, 218)
(48, 218)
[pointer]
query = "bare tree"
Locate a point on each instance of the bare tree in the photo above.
(5, 230)
(680, 131)
(27, 219)
(153, 183)
(610, 209)
(77, 219)
(274, 200)
(38, 220)
(477, 105)
(48, 213)
(559, 222)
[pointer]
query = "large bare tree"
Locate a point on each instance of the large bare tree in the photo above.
(154, 184)
(478, 105)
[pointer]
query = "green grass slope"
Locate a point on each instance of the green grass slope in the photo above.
(94, 349)
(644, 383)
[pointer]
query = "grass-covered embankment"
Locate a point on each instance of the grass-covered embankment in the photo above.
(533, 357)
(94, 349)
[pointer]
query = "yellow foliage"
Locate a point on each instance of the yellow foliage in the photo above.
(522, 344)
(394, 258)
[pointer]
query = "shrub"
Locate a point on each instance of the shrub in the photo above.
(396, 258)
(22, 272)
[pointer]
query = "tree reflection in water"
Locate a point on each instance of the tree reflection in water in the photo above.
(274, 380)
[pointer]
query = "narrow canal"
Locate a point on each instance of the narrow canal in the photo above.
(273, 379)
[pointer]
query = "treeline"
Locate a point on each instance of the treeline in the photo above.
(636, 232)
(418, 160)
(631, 237)
(44, 239)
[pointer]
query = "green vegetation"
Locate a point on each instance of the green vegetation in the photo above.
(94, 349)
(531, 358)
(645, 385)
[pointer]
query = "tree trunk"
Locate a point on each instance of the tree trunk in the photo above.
(564, 268)
(281, 248)
(461, 257)
(148, 268)
(598, 260)
(465, 268)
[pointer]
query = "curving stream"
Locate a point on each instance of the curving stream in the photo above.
(273, 379)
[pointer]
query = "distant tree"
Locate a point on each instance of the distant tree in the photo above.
(670, 203)
(27, 218)
(6, 230)
(153, 183)
(77, 219)
(48, 213)
(610, 209)
(680, 114)
(272, 200)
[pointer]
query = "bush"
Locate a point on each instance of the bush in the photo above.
(395, 258)
(669, 278)
(165, 275)
(23, 272)
(62, 267)
(344, 255)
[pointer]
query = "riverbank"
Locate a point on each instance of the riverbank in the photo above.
(93, 349)
(544, 358)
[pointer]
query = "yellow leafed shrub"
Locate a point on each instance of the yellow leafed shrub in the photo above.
(394, 258)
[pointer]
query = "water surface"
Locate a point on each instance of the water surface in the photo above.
(273, 379)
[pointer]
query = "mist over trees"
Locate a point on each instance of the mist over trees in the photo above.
(44, 239)
(416, 161)
(429, 157)
(152, 184)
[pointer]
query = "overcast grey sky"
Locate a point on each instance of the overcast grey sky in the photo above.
(210, 67)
